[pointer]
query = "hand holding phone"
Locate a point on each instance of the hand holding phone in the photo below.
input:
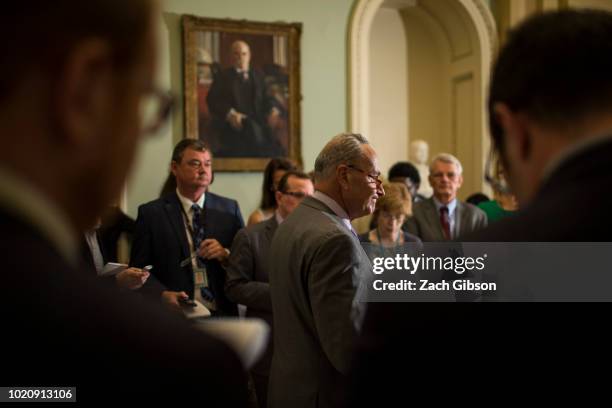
(187, 302)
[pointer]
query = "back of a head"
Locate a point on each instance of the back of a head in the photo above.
(404, 170)
(38, 34)
(283, 184)
(344, 148)
(555, 68)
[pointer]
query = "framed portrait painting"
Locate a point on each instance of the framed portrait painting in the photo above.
(242, 90)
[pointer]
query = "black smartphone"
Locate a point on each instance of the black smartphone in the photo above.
(188, 302)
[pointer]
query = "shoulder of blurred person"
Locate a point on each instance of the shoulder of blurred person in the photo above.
(77, 101)
(555, 144)
(559, 211)
(90, 337)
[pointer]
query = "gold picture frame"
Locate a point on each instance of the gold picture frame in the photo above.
(247, 112)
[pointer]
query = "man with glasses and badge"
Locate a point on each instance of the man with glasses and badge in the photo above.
(185, 235)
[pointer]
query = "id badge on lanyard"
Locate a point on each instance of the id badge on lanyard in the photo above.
(199, 277)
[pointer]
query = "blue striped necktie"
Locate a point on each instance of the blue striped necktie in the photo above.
(198, 228)
(198, 237)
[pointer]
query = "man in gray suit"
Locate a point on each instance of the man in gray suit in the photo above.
(316, 267)
(249, 263)
(443, 217)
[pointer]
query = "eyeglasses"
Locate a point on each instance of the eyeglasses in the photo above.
(297, 194)
(196, 164)
(155, 108)
(450, 176)
(372, 178)
(496, 183)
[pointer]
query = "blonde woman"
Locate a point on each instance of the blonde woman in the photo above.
(389, 216)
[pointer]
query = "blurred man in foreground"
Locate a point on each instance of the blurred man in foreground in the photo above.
(70, 121)
(550, 107)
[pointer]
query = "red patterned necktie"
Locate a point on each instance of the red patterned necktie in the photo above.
(444, 220)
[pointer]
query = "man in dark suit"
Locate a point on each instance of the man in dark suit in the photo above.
(550, 114)
(249, 264)
(173, 229)
(70, 125)
(444, 217)
(317, 267)
(241, 109)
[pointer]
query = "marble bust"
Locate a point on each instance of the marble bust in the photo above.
(419, 152)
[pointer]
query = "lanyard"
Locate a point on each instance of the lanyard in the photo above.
(190, 228)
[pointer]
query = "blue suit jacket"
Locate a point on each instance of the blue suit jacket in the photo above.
(160, 240)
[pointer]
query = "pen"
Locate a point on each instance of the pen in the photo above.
(187, 260)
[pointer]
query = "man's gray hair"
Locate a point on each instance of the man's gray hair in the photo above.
(344, 148)
(447, 158)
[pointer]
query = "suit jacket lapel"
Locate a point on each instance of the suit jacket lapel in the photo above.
(459, 221)
(209, 226)
(175, 215)
(271, 226)
(434, 220)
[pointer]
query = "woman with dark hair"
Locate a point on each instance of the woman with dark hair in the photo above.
(169, 185)
(274, 171)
